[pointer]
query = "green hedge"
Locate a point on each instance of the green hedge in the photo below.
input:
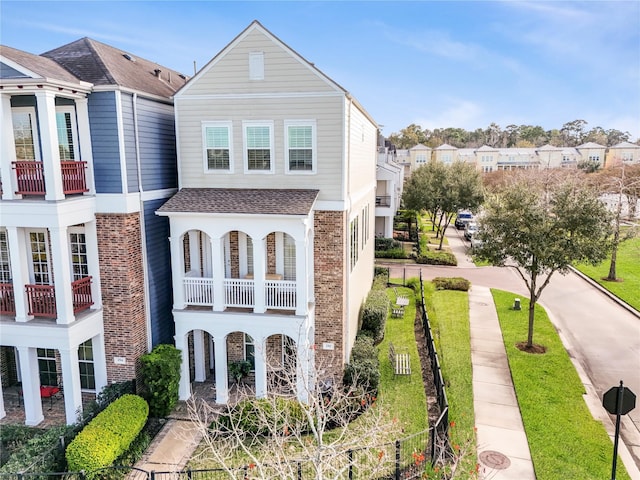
(438, 258)
(375, 310)
(395, 253)
(262, 416)
(160, 374)
(383, 243)
(108, 435)
(363, 370)
(452, 283)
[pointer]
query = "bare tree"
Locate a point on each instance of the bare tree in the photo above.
(275, 436)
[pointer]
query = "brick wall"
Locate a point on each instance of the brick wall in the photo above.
(122, 277)
(330, 284)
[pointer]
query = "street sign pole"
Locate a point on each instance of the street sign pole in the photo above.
(617, 434)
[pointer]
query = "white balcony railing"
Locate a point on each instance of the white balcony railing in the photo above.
(239, 292)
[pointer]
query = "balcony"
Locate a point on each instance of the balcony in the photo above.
(30, 177)
(383, 200)
(240, 293)
(7, 299)
(41, 299)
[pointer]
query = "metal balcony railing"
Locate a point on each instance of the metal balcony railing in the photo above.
(383, 200)
(41, 299)
(7, 299)
(30, 177)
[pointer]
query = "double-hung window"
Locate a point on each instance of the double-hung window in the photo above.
(66, 126)
(24, 133)
(258, 146)
(300, 144)
(218, 154)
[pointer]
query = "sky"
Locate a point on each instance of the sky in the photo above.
(434, 64)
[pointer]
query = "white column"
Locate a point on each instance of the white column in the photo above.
(99, 362)
(71, 384)
(304, 376)
(222, 380)
(302, 276)
(84, 141)
(259, 272)
(261, 368)
(184, 389)
(49, 142)
(30, 385)
(2, 411)
(217, 255)
(198, 356)
(93, 260)
(7, 149)
(177, 271)
(19, 252)
(61, 266)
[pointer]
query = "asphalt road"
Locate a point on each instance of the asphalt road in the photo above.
(602, 337)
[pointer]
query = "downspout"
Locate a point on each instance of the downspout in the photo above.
(143, 241)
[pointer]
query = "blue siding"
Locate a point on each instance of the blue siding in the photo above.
(129, 142)
(156, 137)
(104, 142)
(159, 273)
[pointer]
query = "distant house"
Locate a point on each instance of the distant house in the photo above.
(592, 152)
(272, 228)
(419, 155)
(88, 155)
(389, 186)
(625, 153)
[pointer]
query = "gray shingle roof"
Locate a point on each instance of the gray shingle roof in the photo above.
(241, 201)
(44, 67)
(102, 64)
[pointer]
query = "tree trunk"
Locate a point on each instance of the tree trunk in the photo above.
(612, 277)
(532, 311)
(616, 240)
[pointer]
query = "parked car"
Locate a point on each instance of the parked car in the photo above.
(470, 229)
(463, 218)
(476, 242)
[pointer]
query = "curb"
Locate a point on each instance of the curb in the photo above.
(606, 292)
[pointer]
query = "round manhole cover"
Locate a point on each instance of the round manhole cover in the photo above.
(493, 459)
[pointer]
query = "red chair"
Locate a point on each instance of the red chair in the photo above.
(49, 391)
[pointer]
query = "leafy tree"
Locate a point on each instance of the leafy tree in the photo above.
(542, 227)
(573, 133)
(443, 190)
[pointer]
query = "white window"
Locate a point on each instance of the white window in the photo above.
(289, 258)
(249, 351)
(216, 137)
(25, 133)
(256, 65)
(421, 158)
(258, 146)
(67, 135)
(85, 364)
(627, 156)
(594, 157)
(446, 158)
(354, 231)
(300, 141)
(78, 246)
(5, 262)
(40, 268)
(47, 366)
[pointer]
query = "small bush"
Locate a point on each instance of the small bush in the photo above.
(381, 272)
(40, 453)
(395, 253)
(363, 370)
(108, 435)
(374, 314)
(387, 244)
(438, 258)
(160, 374)
(452, 283)
(262, 416)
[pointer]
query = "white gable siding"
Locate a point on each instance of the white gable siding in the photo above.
(362, 149)
(229, 74)
(326, 111)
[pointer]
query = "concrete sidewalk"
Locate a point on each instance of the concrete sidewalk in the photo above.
(503, 450)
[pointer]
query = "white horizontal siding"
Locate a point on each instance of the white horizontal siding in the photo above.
(282, 71)
(363, 150)
(326, 111)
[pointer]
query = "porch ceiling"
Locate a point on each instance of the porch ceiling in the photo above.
(241, 201)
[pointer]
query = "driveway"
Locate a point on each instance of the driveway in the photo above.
(601, 337)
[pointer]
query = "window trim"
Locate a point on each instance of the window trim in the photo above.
(245, 156)
(314, 146)
(34, 133)
(74, 131)
(205, 160)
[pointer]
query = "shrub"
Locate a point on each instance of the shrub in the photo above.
(438, 258)
(262, 416)
(363, 370)
(381, 272)
(451, 283)
(395, 253)
(387, 244)
(40, 453)
(108, 435)
(160, 374)
(374, 314)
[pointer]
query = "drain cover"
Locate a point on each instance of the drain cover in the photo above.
(493, 459)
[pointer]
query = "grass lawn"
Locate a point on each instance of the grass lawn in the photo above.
(627, 270)
(449, 316)
(564, 439)
(403, 393)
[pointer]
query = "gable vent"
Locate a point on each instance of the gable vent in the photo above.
(256, 65)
